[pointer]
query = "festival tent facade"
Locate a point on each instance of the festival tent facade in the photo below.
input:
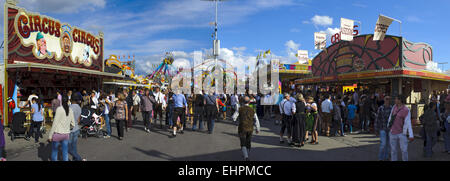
(392, 66)
(43, 55)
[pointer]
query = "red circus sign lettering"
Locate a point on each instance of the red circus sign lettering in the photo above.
(337, 37)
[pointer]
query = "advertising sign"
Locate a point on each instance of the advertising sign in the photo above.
(346, 29)
(302, 56)
(320, 40)
(40, 39)
(381, 27)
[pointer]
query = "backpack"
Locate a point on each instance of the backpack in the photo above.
(86, 116)
(119, 113)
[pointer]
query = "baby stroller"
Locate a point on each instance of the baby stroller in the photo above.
(91, 123)
(19, 126)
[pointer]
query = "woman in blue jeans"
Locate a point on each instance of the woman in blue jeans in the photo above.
(108, 104)
(382, 130)
(63, 122)
(75, 132)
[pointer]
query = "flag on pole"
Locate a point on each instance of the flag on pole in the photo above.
(381, 27)
(267, 52)
(320, 40)
(347, 29)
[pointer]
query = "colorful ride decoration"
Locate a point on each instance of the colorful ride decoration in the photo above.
(126, 67)
(164, 71)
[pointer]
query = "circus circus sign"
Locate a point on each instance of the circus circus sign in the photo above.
(47, 40)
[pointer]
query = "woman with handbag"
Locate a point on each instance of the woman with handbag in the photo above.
(59, 133)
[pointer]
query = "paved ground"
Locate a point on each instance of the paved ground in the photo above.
(222, 145)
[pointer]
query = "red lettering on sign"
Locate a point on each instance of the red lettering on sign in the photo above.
(355, 31)
(57, 29)
(25, 29)
(51, 27)
(96, 46)
(336, 38)
(45, 25)
(37, 23)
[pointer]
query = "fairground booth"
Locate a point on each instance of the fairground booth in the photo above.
(288, 73)
(121, 65)
(392, 66)
(43, 55)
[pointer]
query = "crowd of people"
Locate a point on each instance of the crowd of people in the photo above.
(333, 114)
(304, 116)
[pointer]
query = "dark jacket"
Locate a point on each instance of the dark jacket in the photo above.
(300, 108)
(336, 112)
(430, 121)
(199, 101)
(2, 137)
(129, 100)
(246, 119)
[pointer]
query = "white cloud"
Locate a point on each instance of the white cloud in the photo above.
(291, 50)
(163, 45)
(413, 19)
(359, 5)
(239, 49)
(294, 30)
(322, 20)
(291, 45)
(331, 31)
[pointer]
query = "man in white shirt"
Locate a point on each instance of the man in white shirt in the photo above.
(136, 103)
(327, 108)
(159, 106)
(287, 110)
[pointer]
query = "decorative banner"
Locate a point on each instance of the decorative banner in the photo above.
(381, 27)
(302, 56)
(320, 40)
(346, 29)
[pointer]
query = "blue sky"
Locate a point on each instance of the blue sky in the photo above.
(148, 28)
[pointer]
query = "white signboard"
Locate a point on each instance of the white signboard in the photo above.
(302, 56)
(381, 27)
(346, 29)
(320, 40)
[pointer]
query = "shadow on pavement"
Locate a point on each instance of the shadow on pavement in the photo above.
(155, 153)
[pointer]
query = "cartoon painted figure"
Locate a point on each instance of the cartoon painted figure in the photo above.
(86, 55)
(41, 45)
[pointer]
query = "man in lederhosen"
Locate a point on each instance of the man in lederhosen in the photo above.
(159, 106)
(287, 110)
